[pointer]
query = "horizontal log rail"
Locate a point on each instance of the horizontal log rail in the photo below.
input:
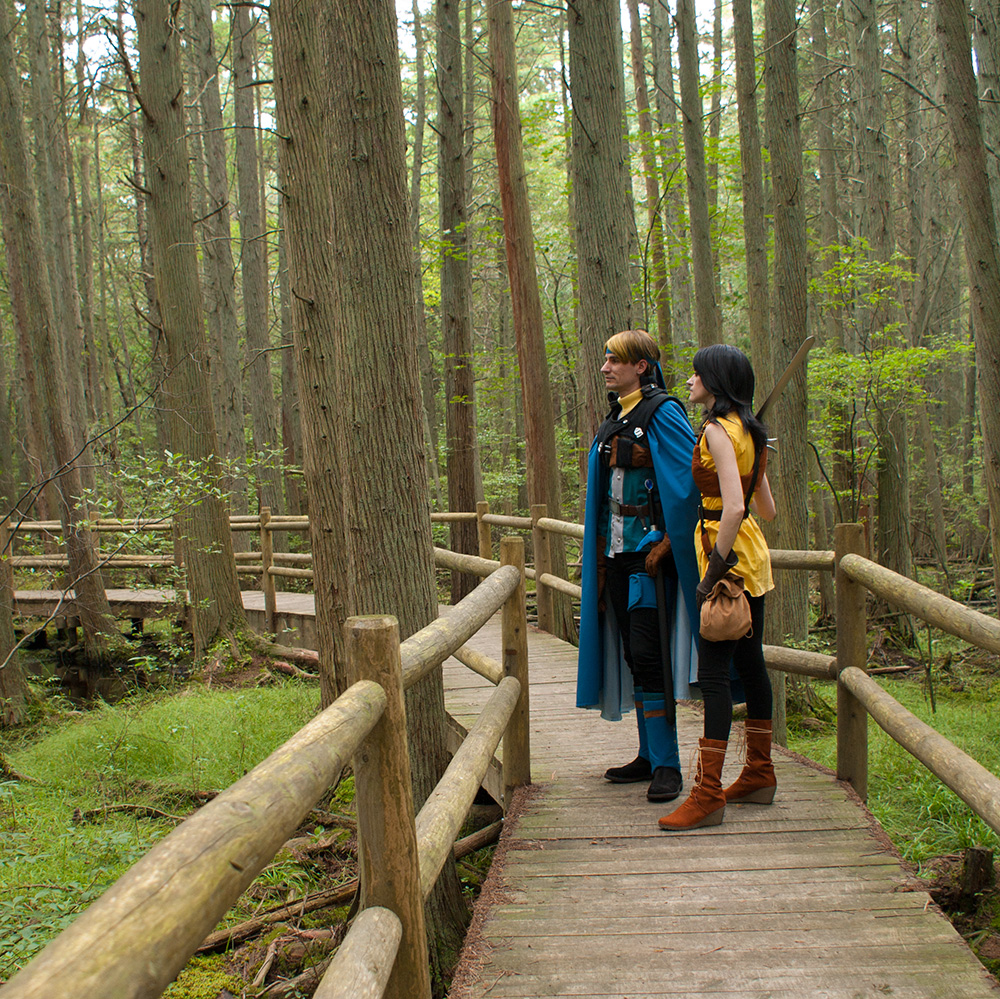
(856, 575)
(136, 937)
(177, 893)
(934, 608)
(970, 780)
(444, 811)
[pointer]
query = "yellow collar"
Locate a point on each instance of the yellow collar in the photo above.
(628, 402)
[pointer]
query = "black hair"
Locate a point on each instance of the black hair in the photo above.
(725, 371)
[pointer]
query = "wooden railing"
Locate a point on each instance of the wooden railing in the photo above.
(134, 940)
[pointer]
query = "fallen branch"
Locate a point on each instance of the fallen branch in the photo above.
(304, 984)
(7, 772)
(307, 657)
(310, 903)
(143, 811)
(291, 670)
(242, 932)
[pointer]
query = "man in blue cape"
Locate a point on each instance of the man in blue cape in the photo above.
(642, 507)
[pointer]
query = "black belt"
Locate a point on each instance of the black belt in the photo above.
(705, 514)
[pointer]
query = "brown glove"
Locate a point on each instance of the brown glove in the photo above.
(717, 568)
(657, 554)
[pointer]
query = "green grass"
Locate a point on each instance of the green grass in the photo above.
(152, 751)
(922, 817)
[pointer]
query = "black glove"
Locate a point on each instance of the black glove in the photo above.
(717, 568)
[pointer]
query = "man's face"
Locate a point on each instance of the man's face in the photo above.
(622, 376)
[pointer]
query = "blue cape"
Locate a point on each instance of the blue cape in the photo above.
(603, 678)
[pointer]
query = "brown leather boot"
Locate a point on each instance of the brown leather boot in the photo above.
(757, 781)
(706, 804)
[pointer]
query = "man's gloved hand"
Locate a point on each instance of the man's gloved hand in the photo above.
(656, 556)
(717, 568)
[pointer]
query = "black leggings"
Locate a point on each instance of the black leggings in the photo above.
(640, 627)
(714, 659)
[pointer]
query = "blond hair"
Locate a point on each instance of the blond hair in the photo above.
(634, 346)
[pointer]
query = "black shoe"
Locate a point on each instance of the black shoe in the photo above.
(666, 785)
(639, 769)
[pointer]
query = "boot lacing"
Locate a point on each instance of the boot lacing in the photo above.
(694, 761)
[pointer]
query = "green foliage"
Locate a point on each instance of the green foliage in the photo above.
(922, 817)
(156, 752)
(853, 395)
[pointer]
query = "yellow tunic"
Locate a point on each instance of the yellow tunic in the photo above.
(755, 562)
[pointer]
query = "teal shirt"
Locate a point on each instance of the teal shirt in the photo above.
(626, 533)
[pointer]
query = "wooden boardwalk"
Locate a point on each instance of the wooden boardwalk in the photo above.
(588, 897)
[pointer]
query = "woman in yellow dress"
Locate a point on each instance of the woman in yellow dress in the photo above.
(729, 468)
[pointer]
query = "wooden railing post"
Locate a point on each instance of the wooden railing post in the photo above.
(516, 740)
(266, 579)
(543, 564)
(485, 533)
(390, 864)
(852, 650)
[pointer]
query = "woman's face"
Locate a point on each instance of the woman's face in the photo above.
(697, 392)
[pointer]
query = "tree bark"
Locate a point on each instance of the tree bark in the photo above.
(978, 213)
(456, 318)
(542, 460)
(217, 254)
(253, 243)
(675, 218)
(657, 267)
(788, 320)
(754, 221)
(706, 315)
(24, 243)
(213, 589)
(428, 386)
(347, 219)
(602, 192)
(892, 524)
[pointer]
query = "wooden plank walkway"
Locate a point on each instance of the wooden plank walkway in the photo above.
(587, 897)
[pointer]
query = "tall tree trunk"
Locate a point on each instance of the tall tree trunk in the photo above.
(602, 191)
(347, 215)
(291, 414)
(675, 217)
(217, 254)
(892, 529)
(154, 329)
(428, 388)
(24, 243)
(706, 314)
(980, 243)
(788, 320)
(713, 155)
(754, 220)
(253, 240)
(86, 255)
(657, 269)
(833, 329)
(542, 459)
(214, 593)
(52, 171)
(986, 39)
(456, 318)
